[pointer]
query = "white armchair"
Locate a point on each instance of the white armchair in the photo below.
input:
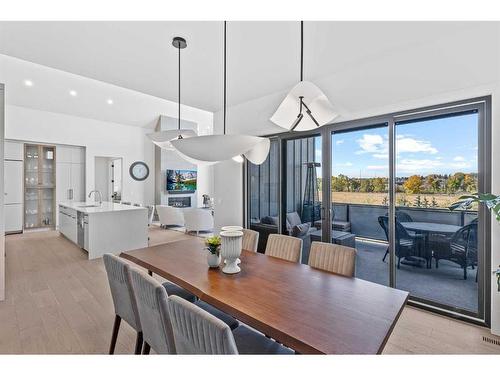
(197, 219)
(170, 215)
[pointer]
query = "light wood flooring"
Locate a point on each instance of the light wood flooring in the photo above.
(57, 301)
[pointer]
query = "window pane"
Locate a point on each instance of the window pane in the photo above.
(437, 249)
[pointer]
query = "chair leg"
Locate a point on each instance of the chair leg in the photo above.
(465, 272)
(138, 343)
(114, 335)
(146, 348)
(150, 273)
(399, 262)
(437, 263)
(385, 255)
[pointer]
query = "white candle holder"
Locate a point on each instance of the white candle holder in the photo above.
(231, 243)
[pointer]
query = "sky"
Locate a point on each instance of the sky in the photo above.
(440, 146)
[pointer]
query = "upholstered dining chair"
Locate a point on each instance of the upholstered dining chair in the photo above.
(123, 299)
(152, 307)
(333, 258)
(250, 239)
(284, 247)
(198, 332)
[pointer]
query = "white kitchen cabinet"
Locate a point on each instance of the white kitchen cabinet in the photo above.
(68, 223)
(13, 181)
(13, 218)
(64, 154)
(13, 195)
(78, 182)
(77, 155)
(63, 182)
(13, 151)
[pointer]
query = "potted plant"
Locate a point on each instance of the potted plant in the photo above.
(213, 246)
(491, 201)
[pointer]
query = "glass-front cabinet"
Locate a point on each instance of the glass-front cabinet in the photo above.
(39, 186)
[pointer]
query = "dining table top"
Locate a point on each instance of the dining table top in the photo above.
(431, 227)
(306, 309)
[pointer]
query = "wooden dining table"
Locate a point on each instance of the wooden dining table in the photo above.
(306, 309)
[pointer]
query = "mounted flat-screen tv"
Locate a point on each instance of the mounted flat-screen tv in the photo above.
(181, 181)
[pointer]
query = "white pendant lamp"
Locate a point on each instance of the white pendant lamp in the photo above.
(306, 107)
(211, 149)
(163, 138)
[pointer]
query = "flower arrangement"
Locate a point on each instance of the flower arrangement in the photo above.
(213, 244)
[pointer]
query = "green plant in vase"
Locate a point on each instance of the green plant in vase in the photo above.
(213, 246)
(491, 201)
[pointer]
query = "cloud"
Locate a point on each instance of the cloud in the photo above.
(416, 165)
(408, 144)
(346, 164)
(458, 158)
(461, 164)
(339, 142)
(378, 146)
(377, 167)
(371, 143)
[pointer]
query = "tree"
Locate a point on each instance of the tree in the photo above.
(379, 185)
(433, 183)
(418, 201)
(413, 185)
(366, 185)
(453, 184)
(353, 184)
(470, 183)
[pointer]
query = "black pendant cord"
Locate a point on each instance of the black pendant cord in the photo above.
(301, 51)
(179, 88)
(224, 100)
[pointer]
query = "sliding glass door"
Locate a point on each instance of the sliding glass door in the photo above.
(438, 253)
(302, 197)
(383, 186)
(360, 199)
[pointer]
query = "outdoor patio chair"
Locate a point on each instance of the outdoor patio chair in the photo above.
(406, 244)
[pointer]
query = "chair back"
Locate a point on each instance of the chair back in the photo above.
(401, 232)
(197, 331)
(118, 272)
(284, 247)
(250, 239)
(152, 305)
(465, 239)
(126, 203)
(170, 215)
(196, 219)
(333, 258)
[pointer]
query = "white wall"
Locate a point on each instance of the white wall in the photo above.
(98, 137)
(2, 221)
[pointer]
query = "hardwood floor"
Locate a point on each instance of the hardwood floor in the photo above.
(57, 301)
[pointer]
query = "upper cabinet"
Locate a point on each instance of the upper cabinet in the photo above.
(70, 154)
(13, 150)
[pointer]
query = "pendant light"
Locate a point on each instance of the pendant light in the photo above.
(163, 138)
(314, 108)
(211, 149)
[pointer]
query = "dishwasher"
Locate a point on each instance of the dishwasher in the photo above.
(83, 230)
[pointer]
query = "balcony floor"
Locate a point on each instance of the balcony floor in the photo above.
(444, 285)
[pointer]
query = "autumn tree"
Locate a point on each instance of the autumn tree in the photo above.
(379, 185)
(413, 185)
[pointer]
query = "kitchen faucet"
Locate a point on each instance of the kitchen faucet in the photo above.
(97, 192)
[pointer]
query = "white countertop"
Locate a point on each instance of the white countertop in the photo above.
(105, 207)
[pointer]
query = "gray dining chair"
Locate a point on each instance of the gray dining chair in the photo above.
(152, 306)
(250, 239)
(198, 332)
(333, 258)
(284, 247)
(118, 272)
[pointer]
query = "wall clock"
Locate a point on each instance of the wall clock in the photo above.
(139, 171)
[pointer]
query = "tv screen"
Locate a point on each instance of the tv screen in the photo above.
(181, 180)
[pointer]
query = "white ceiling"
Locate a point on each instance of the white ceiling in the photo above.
(263, 57)
(358, 64)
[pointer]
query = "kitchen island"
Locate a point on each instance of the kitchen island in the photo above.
(104, 228)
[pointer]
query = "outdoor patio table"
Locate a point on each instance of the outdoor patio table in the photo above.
(427, 228)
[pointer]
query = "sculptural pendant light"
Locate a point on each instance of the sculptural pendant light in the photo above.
(211, 149)
(304, 97)
(163, 138)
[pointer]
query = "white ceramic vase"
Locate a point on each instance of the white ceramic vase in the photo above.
(231, 242)
(231, 228)
(213, 260)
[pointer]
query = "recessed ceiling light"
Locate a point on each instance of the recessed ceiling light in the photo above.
(109, 101)
(28, 83)
(73, 93)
